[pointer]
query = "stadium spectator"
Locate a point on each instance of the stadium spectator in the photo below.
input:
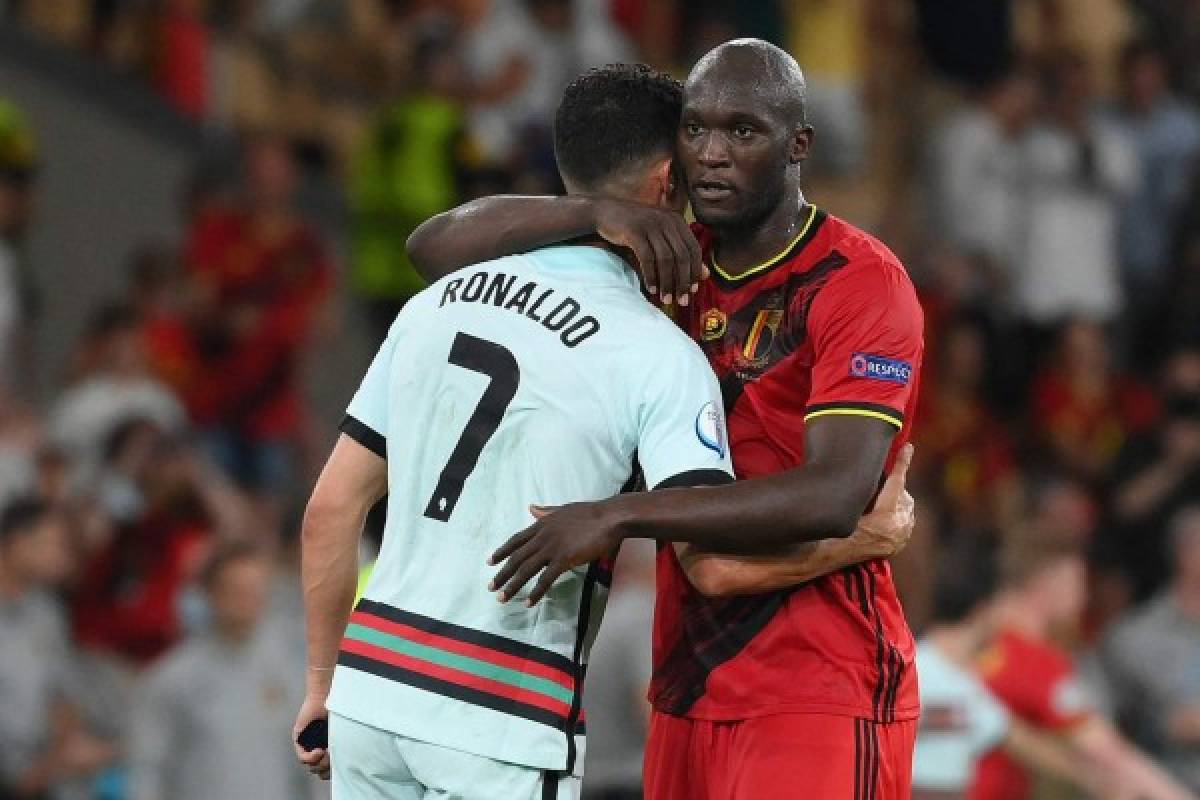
(960, 719)
(113, 385)
(1041, 589)
(980, 173)
(1152, 660)
(618, 714)
(43, 743)
(261, 275)
(1082, 408)
(18, 160)
(1156, 475)
(1165, 134)
(167, 509)
(1080, 173)
(183, 57)
(967, 458)
(408, 167)
(213, 718)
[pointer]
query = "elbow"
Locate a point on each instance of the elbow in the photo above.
(421, 249)
(713, 579)
(325, 509)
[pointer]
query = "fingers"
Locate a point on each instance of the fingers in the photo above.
(539, 512)
(663, 258)
(889, 496)
(548, 577)
(523, 573)
(645, 262)
(678, 237)
(512, 545)
(694, 256)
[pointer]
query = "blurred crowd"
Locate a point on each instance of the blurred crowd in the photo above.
(1034, 162)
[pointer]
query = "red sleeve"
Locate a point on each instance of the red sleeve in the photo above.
(866, 327)
(1058, 699)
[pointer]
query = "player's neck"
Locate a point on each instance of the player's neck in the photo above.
(739, 248)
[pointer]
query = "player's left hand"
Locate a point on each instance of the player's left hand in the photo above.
(560, 539)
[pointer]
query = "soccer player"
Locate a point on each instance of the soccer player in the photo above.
(815, 331)
(531, 378)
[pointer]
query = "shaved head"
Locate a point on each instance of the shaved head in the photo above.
(767, 72)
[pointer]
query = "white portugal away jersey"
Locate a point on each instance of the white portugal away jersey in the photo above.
(545, 379)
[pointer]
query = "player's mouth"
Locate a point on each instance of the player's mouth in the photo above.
(712, 191)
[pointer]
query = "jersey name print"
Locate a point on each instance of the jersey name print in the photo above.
(534, 379)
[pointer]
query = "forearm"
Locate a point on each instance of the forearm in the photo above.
(762, 516)
(330, 576)
(1049, 755)
(1142, 493)
(723, 575)
(491, 227)
(1101, 742)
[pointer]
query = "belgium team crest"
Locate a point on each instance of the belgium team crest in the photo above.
(712, 324)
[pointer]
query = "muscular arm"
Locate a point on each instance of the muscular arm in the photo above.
(663, 247)
(353, 480)
(821, 500)
(880, 534)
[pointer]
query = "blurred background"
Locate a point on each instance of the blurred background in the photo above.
(203, 207)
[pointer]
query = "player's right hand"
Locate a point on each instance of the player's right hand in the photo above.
(887, 527)
(668, 255)
(315, 761)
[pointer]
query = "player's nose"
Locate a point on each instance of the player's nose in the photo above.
(713, 151)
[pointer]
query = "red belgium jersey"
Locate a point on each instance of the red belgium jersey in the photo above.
(830, 326)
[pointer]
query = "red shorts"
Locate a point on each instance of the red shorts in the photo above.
(813, 756)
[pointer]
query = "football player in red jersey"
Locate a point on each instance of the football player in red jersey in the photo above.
(763, 688)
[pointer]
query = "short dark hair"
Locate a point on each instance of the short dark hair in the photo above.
(614, 117)
(226, 555)
(20, 516)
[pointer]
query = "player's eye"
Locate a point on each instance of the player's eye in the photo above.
(692, 128)
(743, 131)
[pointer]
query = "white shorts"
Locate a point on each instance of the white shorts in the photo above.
(372, 764)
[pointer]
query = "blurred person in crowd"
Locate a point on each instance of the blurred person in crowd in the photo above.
(832, 37)
(1082, 408)
(960, 719)
(1080, 171)
(618, 714)
(1152, 660)
(1041, 591)
(968, 41)
(408, 168)
(43, 743)
(1165, 134)
(980, 170)
(966, 453)
(182, 61)
(1176, 25)
(157, 295)
(18, 162)
(21, 437)
(497, 44)
(1156, 475)
(114, 383)
(166, 508)
(260, 275)
(212, 719)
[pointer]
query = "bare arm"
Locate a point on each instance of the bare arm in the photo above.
(880, 534)
(1098, 740)
(659, 241)
(1050, 755)
(821, 500)
(353, 480)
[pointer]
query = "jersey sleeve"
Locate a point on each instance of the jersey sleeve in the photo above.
(866, 328)
(681, 438)
(1062, 701)
(366, 417)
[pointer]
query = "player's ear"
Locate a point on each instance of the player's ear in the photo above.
(801, 144)
(670, 184)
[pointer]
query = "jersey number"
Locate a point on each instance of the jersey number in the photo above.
(495, 361)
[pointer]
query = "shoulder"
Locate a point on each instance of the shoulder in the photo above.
(172, 672)
(871, 272)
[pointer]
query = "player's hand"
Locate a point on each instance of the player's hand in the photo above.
(885, 530)
(668, 255)
(560, 539)
(315, 761)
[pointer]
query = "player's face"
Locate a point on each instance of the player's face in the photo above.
(734, 152)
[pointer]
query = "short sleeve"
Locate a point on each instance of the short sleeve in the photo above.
(1063, 701)
(866, 327)
(367, 415)
(681, 437)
